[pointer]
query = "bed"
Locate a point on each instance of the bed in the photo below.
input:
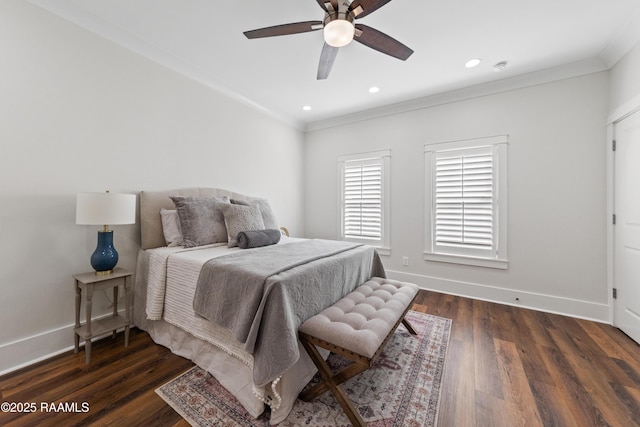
(252, 350)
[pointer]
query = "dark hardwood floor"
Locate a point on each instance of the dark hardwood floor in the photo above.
(506, 366)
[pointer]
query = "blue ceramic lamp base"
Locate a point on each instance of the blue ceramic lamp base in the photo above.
(105, 257)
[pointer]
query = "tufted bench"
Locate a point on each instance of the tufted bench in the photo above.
(356, 327)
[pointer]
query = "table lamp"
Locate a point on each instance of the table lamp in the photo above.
(103, 209)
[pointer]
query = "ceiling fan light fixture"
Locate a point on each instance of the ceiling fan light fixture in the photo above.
(338, 32)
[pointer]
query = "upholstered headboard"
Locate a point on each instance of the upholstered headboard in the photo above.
(151, 202)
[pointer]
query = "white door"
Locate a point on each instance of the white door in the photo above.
(627, 228)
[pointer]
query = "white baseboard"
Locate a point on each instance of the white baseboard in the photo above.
(535, 301)
(30, 350)
(27, 351)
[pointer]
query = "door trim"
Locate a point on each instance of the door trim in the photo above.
(614, 117)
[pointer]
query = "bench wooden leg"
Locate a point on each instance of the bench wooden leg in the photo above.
(407, 325)
(332, 382)
(348, 372)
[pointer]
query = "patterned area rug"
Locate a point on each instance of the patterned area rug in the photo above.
(402, 388)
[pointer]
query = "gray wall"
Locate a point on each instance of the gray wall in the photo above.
(80, 114)
(556, 196)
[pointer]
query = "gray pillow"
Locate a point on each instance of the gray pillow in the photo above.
(240, 218)
(268, 217)
(201, 219)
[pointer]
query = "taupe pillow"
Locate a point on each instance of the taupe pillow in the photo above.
(268, 217)
(201, 219)
(241, 218)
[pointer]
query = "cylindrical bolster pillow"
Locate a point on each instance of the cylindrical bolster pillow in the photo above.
(255, 239)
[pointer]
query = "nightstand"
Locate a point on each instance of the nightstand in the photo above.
(92, 328)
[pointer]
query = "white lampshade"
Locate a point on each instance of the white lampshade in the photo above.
(105, 208)
(339, 32)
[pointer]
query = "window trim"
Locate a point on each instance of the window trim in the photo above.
(383, 245)
(500, 259)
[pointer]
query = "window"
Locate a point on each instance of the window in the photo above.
(364, 199)
(466, 201)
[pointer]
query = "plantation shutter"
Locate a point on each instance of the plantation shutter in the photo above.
(464, 199)
(363, 199)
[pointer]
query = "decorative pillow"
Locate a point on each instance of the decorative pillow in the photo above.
(241, 218)
(268, 217)
(201, 219)
(258, 238)
(171, 227)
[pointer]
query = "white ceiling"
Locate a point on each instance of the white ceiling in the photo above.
(203, 39)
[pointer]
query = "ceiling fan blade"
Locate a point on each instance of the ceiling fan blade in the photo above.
(381, 42)
(327, 57)
(368, 6)
(284, 29)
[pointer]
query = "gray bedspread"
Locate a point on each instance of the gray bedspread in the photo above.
(262, 295)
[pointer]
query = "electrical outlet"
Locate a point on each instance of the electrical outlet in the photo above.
(405, 261)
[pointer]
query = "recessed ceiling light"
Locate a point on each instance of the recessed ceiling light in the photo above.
(306, 108)
(472, 63)
(374, 89)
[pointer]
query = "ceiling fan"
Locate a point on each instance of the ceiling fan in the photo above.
(339, 30)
